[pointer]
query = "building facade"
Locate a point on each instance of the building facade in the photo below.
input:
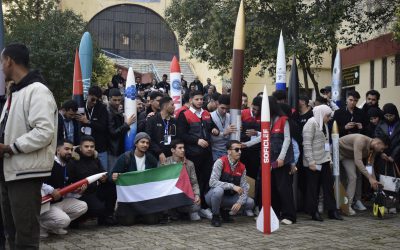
(136, 29)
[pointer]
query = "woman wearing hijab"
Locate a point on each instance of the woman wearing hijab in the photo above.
(281, 159)
(317, 158)
(389, 126)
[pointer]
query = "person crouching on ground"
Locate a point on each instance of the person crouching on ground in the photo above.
(178, 156)
(228, 192)
(63, 210)
(99, 196)
(135, 160)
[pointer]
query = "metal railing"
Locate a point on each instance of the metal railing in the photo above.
(143, 68)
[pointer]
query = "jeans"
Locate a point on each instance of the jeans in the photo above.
(216, 154)
(103, 158)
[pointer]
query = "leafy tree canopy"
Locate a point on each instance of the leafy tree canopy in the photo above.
(52, 36)
(310, 28)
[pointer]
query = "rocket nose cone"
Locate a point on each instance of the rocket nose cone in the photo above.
(175, 67)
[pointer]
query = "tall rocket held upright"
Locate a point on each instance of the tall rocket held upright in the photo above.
(77, 88)
(337, 79)
(237, 72)
(267, 221)
(280, 83)
(336, 162)
(130, 108)
(86, 58)
(176, 88)
(2, 78)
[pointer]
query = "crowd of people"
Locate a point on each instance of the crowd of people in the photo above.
(224, 173)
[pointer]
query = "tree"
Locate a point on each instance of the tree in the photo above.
(310, 29)
(52, 36)
(396, 26)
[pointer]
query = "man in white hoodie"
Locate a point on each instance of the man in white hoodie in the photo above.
(28, 135)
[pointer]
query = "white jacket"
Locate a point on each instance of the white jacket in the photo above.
(31, 131)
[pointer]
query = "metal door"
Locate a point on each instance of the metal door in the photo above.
(134, 32)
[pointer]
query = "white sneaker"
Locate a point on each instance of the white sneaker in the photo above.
(43, 233)
(256, 211)
(351, 211)
(205, 213)
(392, 210)
(58, 231)
(249, 213)
(286, 222)
(359, 206)
(194, 216)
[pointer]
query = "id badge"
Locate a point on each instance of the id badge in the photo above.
(369, 169)
(167, 139)
(87, 131)
(327, 147)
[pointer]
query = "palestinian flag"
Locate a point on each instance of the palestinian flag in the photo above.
(155, 190)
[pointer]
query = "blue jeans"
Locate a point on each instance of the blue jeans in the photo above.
(103, 158)
(216, 154)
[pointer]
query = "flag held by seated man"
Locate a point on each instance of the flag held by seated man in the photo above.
(155, 190)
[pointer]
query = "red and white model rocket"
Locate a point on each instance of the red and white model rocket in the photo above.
(267, 221)
(176, 88)
(74, 186)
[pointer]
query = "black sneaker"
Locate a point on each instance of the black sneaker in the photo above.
(216, 220)
(226, 217)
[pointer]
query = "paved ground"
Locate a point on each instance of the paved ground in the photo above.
(362, 231)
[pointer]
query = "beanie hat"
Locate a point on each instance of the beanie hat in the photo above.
(141, 135)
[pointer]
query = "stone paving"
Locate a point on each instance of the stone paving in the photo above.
(362, 231)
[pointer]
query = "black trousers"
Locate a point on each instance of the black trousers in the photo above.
(102, 202)
(20, 205)
(251, 158)
(126, 216)
(316, 179)
(282, 193)
(203, 166)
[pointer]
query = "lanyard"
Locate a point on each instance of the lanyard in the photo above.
(65, 176)
(390, 130)
(165, 126)
(91, 113)
(221, 120)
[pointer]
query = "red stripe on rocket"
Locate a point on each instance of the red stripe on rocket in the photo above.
(267, 221)
(77, 87)
(74, 186)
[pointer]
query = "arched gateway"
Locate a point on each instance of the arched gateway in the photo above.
(134, 32)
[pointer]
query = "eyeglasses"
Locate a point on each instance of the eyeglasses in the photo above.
(236, 150)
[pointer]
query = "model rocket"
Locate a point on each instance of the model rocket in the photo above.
(293, 93)
(176, 88)
(336, 162)
(77, 88)
(2, 78)
(267, 221)
(130, 109)
(237, 73)
(337, 79)
(74, 186)
(281, 66)
(86, 59)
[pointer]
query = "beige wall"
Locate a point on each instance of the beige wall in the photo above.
(254, 84)
(389, 94)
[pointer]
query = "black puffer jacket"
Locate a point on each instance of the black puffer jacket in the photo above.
(117, 129)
